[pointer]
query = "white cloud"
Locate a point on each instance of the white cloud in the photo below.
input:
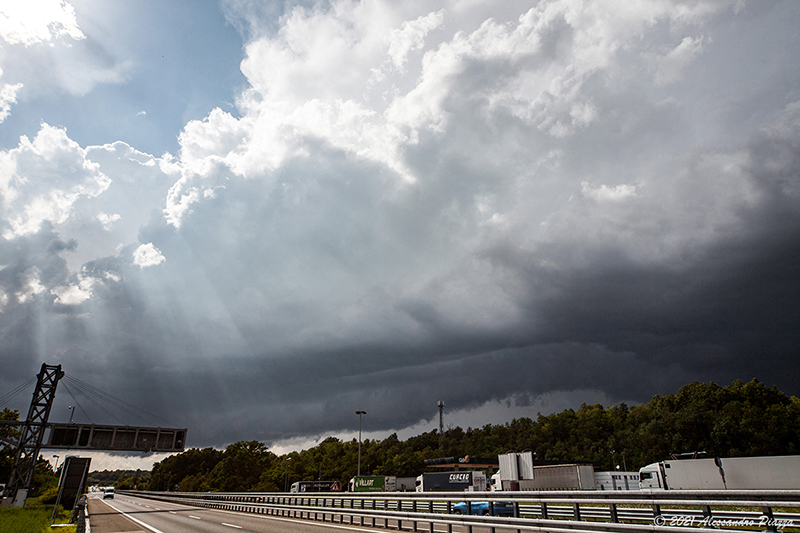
(606, 193)
(147, 255)
(411, 37)
(33, 21)
(323, 76)
(43, 179)
(107, 220)
(74, 294)
(30, 285)
(48, 53)
(670, 66)
(8, 96)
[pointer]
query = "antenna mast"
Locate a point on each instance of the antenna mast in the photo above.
(441, 422)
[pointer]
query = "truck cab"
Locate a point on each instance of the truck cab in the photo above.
(650, 477)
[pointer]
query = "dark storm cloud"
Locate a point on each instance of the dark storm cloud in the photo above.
(428, 204)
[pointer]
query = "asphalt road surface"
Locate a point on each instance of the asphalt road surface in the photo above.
(128, 514)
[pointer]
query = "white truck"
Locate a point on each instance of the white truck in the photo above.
(773, 472)
(518, 472)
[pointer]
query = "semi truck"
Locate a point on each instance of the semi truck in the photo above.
(518, 472)
(382, 484)
(772, 472)
(452, 481)
(373, 484)
(316, 486)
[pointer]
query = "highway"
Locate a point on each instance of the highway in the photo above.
(130, 514)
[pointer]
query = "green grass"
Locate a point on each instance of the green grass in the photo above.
(14, 520)
(32, 519)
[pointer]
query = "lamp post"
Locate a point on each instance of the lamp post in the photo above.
(55, 468)
(286, 483)
(359, 413)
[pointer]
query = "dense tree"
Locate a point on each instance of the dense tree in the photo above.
(738, 420)
(169, 473)
(8, 434)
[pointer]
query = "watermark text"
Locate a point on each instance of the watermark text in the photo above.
(714, 522)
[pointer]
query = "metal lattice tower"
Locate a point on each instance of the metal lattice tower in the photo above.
(32, 432)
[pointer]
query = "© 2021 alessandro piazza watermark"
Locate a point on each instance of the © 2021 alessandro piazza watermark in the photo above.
(713, 522)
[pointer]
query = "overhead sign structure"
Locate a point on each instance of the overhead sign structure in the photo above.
(72, 436)
(115, 438)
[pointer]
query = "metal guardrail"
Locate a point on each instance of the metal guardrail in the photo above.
(552, 511)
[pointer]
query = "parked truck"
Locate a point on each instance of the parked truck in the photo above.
(452, 481)
(518, 472)
(316, 486)
(774, 472)
(616, 480)
(382, 484)
(373, 484)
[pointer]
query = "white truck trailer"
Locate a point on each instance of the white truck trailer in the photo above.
(616, 480)
(518, 472)
(773, 472)
(462, 480)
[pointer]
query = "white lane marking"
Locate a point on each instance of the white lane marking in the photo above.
(195, 517)
(126, 515)
(172, 512)
(231, 525)
(345, 527)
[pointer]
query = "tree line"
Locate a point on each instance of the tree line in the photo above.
(743, 419)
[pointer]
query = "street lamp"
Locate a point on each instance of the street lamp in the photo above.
(359, 413)
(55, 468)
(286, 483)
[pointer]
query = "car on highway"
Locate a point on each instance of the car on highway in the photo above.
(482, 508)
(108, 493)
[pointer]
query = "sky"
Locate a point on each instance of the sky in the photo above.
(253, 218)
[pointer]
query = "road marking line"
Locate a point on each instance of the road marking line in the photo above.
(195, 517)
(126, 515)
(231, 525)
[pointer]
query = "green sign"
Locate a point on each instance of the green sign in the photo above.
(369, 484)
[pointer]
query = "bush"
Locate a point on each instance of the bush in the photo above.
(49, 496)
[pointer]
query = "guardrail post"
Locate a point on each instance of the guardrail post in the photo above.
(543, 507)
(707, 518)
(656, 511)
(576, 511)
(770, 519)
(612, 509)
